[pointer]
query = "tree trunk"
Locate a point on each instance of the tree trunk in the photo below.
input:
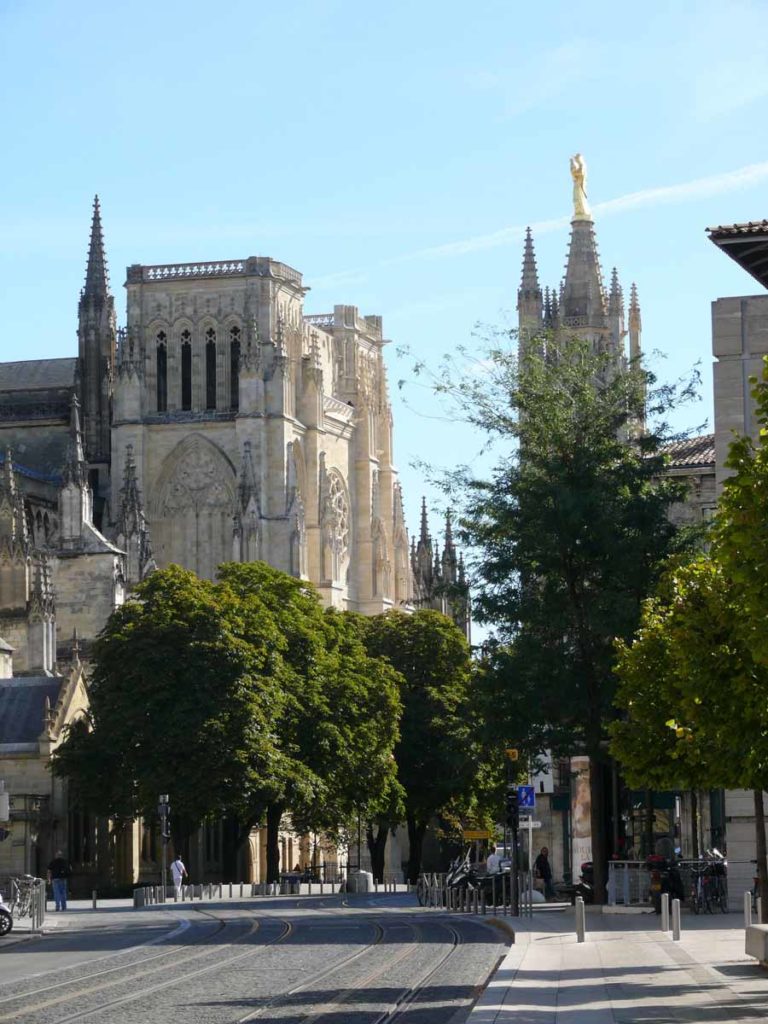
(377, 845)
(416, 830)
(598, 826)
(274, 816)
(760, 850)
(695, 824)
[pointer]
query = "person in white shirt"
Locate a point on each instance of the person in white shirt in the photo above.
(179, 873)
(493, 864)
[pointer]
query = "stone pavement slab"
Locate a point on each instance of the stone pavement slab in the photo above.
(627, 972)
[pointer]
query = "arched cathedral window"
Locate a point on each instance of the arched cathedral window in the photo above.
(234, 368)
(186, 370)
(210, 368)
(162, 372)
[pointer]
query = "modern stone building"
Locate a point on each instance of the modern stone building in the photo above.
(739, 343)
(221, 423)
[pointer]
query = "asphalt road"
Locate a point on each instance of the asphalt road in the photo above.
(332, 960)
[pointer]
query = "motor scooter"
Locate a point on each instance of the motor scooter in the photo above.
(665, 877)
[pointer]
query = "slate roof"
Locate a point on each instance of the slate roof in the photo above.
(38, 452)
(22, 703)
(692, 451)
(747, 244)
(34, 374)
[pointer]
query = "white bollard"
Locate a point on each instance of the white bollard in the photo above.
(665, 911)
(676, 920)
(747, 909)
(580, 919)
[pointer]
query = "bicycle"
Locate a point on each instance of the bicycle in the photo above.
(22, 889)
(700, 892)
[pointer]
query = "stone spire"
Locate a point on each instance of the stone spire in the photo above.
(449, 562)
(97, 342)
(132, 531)
(14, 537)
(583, 305)
(529, 295)
(635, 324)
(616, 318)
(75, 468)
(96, 274)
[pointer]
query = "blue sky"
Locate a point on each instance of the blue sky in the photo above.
(392, 154)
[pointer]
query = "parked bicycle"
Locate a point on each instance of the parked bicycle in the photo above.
(22, 890)
(709, 884)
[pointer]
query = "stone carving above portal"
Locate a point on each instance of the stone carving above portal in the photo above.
(196, 476)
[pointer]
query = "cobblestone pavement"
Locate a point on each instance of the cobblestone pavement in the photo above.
(626, 972)
(333, 960)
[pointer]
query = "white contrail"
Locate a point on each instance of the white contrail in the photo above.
(699, 188)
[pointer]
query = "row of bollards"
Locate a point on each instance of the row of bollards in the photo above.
(155, 894)
(665, 907)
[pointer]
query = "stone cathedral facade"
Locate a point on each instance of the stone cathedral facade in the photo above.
(220, 423)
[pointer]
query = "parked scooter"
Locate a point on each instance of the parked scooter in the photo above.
(665, 877)
(585, 887)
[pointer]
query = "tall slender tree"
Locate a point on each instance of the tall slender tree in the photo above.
(568, 534)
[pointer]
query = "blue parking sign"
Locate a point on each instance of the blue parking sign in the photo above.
(526, 798)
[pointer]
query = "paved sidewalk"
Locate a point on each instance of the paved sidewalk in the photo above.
(627, 972)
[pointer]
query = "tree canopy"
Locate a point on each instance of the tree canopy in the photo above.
(569, 531)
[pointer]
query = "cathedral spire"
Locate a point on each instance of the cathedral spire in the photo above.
(14, 535)
(615, 298)
(75, 469)
(132, 531)
(96, 274)
(97, 341)
(424, 534)
(529, 294)
(583, 305)
(635, 324)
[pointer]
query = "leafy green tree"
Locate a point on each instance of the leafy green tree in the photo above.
(184, 691)
(694, 698)
(338, 719)
(434, 752)
(568, 531)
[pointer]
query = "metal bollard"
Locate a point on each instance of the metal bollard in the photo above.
(94, 903)
(482, 903)
(321, 887)
(665, 911)
(580, 919)
(676, 920)
(759, 909)
(230, 890)
(309, 888)
(747, 909)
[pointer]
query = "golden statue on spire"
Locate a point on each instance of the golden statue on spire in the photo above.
(581, 210)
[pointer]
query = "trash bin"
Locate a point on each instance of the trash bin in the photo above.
(360, 881)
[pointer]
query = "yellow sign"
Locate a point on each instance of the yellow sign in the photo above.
(476, 833)
(511, 753)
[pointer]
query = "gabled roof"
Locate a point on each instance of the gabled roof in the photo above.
(747, 244)
(22, 704)
(36, 374)
(691, 451)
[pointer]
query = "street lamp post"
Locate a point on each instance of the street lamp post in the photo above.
(163, 810)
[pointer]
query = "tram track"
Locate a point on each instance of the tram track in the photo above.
(137, 973)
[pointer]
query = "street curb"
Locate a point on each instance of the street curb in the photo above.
(503, 926)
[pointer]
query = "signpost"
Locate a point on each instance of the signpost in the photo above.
(163, 810)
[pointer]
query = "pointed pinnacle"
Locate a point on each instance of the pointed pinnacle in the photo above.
(530, 278)
(634, 307)
(448, 531)
(75, 468)
(615, 297)
(96, 274)
(424, 535)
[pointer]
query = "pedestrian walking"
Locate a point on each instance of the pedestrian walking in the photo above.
(493, 864)
(543, 869)
(59, 871)
(179, 873)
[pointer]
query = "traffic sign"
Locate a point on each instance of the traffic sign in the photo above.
(527, 823)
(511, 753)
(526, 797)
(476, 833)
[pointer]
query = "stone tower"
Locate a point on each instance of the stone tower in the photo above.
(579, 307)
(97, 336)
(440, 581)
